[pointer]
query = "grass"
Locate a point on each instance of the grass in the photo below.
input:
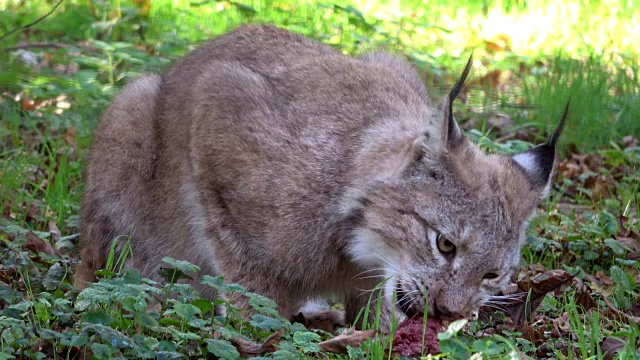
(529, 58)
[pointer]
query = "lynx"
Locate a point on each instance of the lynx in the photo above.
(301, 173)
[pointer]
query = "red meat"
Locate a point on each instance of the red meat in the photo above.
(408, 341)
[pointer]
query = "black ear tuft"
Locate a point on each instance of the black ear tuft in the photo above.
(453, 94)
(538, 162)
(454, 135)
(556, 134)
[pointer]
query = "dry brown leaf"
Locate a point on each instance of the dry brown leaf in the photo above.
(583, 295)
(532, 290)
(55, 232)
(629, 141)
(533, 334)
(70, 137)
(617, 315)
(604, 279)
(611, 346)
(348, 337)
(602, 187)
(631, 243)
(37, 245)
(6, 211)
(561, 326)
(33, 213)
(249, 349)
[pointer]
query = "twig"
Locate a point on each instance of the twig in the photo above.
(38, 45)
(33, 22)
(620, 314)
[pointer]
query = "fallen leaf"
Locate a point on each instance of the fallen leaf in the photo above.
(631, 243)
(611, 346)
(37, 245)
(604, 279)
(560, 326)
(629, 141)
(547, 281)
(583, 295)
(70, 137)
(55, 232)
(602, 187)
(348, 337)
(33, 213)
(510, 289)
(249, 349)
(532, 291)
(6, 211)
(617, 315)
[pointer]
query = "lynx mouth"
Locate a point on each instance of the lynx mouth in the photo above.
(404, 302)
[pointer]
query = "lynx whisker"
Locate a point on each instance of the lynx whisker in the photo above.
(394, 267)
(500, 308)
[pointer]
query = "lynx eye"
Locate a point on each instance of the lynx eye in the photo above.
(490, 276)
(444, 245)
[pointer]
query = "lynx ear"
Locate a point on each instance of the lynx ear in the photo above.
(452, 134)
(538, 162)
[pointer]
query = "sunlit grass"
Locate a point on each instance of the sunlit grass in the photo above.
(551, 49)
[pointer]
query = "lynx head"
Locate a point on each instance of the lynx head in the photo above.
(446, 227)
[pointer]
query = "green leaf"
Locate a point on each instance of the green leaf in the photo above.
(145, 319)
(203, 304)
(42, 312)
(265, 322)
(626, 262)
(222, 349)
(263, 304)
(167, 346)
(181, 265)
(97, 317)
(56, 273)
(197, 323)
(7, 337)
(111, 336)
(285, 355)
(229, 332)
(453, 329)
(590, 255)
(79, 340)
(180, 335)
(217, 282)
(186, 311)
(22, 306)
(49, 334)
(169, 355)
(616, 247)
(165, 321)
(101, 351)
(307, 341)
(173, 275)
(619, 276)
(132, 276)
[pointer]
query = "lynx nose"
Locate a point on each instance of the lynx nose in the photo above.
(444, 312)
